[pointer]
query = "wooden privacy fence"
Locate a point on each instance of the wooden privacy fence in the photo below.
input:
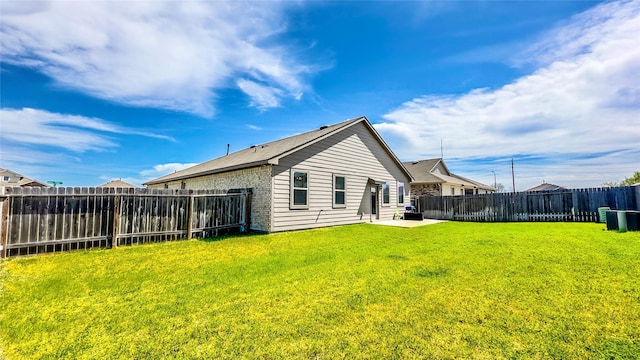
(39, 220)
(579, 205)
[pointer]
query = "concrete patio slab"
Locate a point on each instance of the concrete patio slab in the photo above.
(407, 223)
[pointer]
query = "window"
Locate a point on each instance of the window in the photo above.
(400, 192)
(339, 191)
(5, 178)
(453, 190)
(385, 193)
(299, 189)
(183, 185)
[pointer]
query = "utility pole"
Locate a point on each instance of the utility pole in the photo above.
(495, 182)
(513, 176)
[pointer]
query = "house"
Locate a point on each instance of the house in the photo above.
(547, 187)
(11, 178)
(432, 177)
(339, 174)
(118, 183)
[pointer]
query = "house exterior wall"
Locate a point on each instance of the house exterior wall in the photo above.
(425, 189)
(354, 153)
(460, 190)
(258, 178)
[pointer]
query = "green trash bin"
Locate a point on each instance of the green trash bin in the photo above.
(622, 221)
(602, 213)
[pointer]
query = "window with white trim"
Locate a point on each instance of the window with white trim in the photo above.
(453, 190)
(299, 189)
(386, 195)
(339, 191)
(400, 192)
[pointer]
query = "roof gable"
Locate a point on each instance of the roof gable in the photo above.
(428, 171)
(19, 179)
(270, 153)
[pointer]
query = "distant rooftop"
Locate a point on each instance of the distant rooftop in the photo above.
(117, 184)
(547, 187)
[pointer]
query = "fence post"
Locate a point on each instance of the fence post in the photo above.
(247, 211)
(190, 217)
(575, 212)
(4, 224)
(116, 221)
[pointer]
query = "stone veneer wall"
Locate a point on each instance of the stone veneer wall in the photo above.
(258, 178)
(425, 189)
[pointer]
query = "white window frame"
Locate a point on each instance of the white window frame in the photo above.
(399, 194)
(292, 189)
(388, 186)
(335, 205)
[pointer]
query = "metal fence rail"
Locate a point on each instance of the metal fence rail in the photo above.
(40, 220)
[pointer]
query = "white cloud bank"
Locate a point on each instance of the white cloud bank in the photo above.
(583, 100)
(166, 54)
(32, 127)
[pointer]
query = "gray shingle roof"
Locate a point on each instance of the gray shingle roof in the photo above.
(264, 154)
(546, 187)
(117, 184)
(422, 172)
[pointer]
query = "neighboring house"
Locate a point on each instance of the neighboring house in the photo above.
(339, 174)
(432, 177)
(10, 178)
(547, 187)
(117, 184)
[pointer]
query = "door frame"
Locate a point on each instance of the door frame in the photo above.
(374, 199)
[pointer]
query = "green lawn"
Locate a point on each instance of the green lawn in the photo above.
(451, 290)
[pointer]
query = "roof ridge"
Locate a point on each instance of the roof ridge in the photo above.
(244, 158)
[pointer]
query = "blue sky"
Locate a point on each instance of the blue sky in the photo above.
(93, 91)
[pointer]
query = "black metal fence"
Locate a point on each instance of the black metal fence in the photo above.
(40, 220)
(580, 205)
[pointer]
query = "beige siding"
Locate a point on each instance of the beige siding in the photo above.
(439, 169)
(354, 153)
(257, 178)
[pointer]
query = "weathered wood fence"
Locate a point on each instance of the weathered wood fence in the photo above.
(40, 220)
(580, 205)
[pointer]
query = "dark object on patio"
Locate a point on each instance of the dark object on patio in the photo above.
(412, 214)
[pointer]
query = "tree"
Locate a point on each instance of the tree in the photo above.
(633, 179)
(499, 187)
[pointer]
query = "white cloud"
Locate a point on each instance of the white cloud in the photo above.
(254, 127)
(583, 99)
(262, 96)
(33, 127)
(164, 169)
(166, 54)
